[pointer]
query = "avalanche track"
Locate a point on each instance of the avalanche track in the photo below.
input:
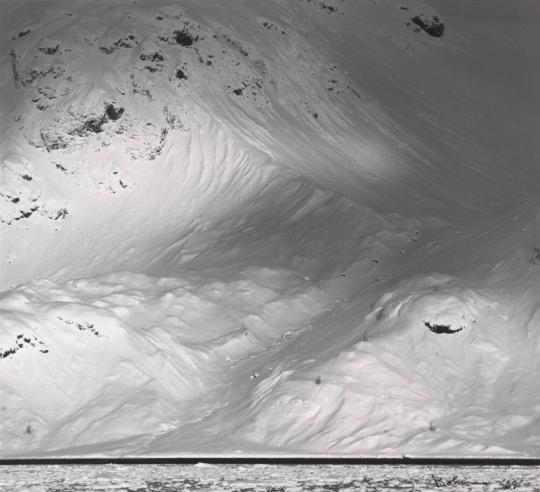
(279, 227)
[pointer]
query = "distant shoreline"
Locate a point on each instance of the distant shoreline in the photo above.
(272, 460)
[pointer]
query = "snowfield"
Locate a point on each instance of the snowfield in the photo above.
(282, 226)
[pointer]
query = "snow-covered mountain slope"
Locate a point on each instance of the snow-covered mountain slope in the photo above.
(285, 226)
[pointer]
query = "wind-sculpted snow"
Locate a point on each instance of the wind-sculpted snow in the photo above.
(399, 381)
(120, 356)
(400, 387)
(324, 216)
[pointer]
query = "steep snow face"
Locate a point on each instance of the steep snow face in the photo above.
(268, 226)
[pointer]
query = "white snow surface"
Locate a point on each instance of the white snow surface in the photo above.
(240, 226)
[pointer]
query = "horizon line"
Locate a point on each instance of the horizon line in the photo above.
(272, 460)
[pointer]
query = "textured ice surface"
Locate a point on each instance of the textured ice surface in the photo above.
(264, 478)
